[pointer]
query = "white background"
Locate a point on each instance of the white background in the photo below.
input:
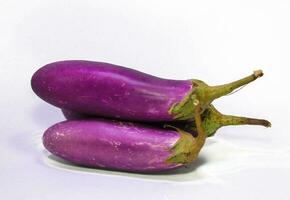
(216, 41)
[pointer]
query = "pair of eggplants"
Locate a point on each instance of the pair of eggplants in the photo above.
(123, 119)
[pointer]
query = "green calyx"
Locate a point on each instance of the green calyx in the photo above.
(184, 151)
(205, 94)
(212, 120)
(185, 108)
(188, 147)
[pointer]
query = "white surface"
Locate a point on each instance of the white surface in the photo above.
(216, 41)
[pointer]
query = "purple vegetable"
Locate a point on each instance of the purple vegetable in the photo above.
(108, 90)
(212, 120)
(122, 146)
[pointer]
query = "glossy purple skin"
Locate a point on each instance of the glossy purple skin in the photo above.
(108, 90)
(111, 144)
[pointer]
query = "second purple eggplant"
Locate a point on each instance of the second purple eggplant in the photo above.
(212, 120)
(122, 146)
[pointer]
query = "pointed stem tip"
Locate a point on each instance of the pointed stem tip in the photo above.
(214, 92)
(258, 73)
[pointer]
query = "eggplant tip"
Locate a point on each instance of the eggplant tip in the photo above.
(258, 73)
(268, 124)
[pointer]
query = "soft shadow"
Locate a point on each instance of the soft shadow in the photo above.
(210, 141)
(201, 160)
(59, 162)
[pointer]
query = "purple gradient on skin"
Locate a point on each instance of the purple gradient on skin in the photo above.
(112, 144)
(108, 90)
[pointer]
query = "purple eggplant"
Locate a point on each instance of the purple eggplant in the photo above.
(124, 146)
(108, 90)
(212, 120)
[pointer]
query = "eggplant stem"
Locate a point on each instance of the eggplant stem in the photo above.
(215, 92)
(201, 136)
(213, 120)
(227, 120)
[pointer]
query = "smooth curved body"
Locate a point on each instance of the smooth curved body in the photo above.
(118, 145)
(109, 90)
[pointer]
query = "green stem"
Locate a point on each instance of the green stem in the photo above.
(213, 120)
(206, 94)
(221, 90)
(227, 120)
(188, 147)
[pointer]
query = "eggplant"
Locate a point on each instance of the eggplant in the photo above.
(107, 90)
(212, 120)
(123, 146)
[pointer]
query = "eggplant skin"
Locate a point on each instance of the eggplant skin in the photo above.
(108, 90)
(124, 146)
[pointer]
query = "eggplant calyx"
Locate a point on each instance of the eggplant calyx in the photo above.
(187, 148)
